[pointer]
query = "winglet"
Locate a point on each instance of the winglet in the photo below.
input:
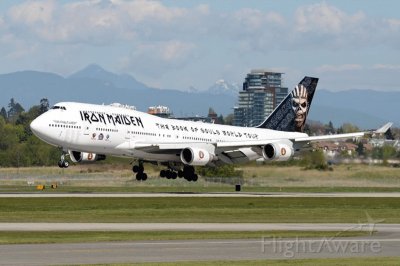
(383, 129)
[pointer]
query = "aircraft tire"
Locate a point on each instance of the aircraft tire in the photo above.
(65, 164)
(180, 174)
(163, 173)
(141, 168)
(135, 169)
(139, 176)
(144, 176)
(188, 177)
(168, 174)
(174, 175)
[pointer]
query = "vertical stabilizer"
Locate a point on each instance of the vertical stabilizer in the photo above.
(291, 113)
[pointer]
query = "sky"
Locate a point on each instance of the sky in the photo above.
(176, 44)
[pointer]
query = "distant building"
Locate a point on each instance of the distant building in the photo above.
(161, 111)
(333, 149)
(197, 118)
(262, 92)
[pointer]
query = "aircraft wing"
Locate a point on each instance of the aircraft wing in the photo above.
(138, 145)
(239, 151)
(330, 137)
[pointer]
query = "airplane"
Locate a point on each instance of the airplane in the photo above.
(89, 132)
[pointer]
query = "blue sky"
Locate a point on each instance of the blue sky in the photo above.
(181, 44)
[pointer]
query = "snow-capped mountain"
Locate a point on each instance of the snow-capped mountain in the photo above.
(223, 87)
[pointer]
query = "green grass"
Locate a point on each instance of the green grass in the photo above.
(257, 178)
(202, 210)
(369, 261)
(102, 236)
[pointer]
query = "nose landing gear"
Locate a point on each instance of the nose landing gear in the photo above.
(62, 163)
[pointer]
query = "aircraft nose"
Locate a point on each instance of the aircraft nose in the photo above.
(35, 126)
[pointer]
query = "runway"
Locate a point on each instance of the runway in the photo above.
(206, 195)
(199, 250)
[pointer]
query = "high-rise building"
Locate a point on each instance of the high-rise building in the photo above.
(262, 92)
(161, 111)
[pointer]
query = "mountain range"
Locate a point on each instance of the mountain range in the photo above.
(93, 84)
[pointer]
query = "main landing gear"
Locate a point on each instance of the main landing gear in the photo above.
(188, 173)
(62, 163)
(139, 170)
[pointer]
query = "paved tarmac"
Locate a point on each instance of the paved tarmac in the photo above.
(381, 244)
(205, 195)
(386, 242)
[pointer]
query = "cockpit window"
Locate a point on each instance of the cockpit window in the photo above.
(58, 107)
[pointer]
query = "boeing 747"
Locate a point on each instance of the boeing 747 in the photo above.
(88, 132)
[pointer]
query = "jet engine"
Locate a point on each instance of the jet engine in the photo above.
(78, 157)
(278, 151)
(196, 156)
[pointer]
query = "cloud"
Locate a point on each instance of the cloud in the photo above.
(253, 19)
(98, 21)
(324, 18)
(159, 58)
(386, 67)
(143, 10)
(338, 68)
(106, 22)
(2, 24)
(32, 12)
(394, 24)
(154, 38)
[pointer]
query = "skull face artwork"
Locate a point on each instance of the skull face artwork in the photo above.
(300, 106)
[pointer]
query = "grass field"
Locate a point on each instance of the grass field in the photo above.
(101, 236)
(186, 209)
(257, 178)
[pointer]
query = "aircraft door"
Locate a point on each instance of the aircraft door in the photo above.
(86, 130)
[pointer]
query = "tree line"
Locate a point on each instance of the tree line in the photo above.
(18, 146)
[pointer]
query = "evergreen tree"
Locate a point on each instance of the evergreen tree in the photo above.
(220, 120)
(14, 109)
(3, 113)
(329, 129)
(228, 119)
(44, 105)
(360, 149)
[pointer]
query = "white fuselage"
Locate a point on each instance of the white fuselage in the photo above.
(103, 129)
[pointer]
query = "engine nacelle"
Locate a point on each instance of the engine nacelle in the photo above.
(196, 156)
(78, 157)
(277, 151)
